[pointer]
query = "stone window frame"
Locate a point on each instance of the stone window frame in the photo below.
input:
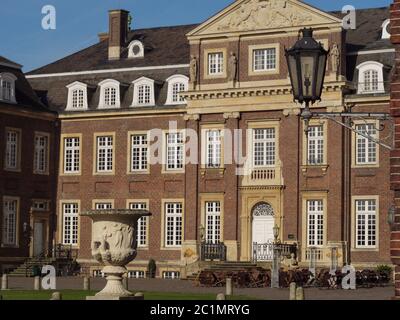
(143, 81)
(109, 84)
(17, 221)
(129, 203)
(11, 79)
(305, 162)
(206, 53)
(18, 155)
(251, 59)
(164, 202)
(354, 156)
(77, 85)
(97, 135)
(173, 80)
(366, 67)
(354, 246)
(212, 197)
(47, 156)
(307, 196)
(61, 221)
(165, 169)
(62, 154)
(129, 152)
(205, 128)
(262, 124)
(140, 54)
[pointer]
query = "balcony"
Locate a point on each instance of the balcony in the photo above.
(210, 251)
(332, 254)
(268, 176)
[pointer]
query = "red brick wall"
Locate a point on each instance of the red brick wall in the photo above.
(395, 154)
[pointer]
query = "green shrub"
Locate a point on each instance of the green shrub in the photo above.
(385, 269)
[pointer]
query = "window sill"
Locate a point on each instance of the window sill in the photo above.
(10, 246)
(171, 248)
(18, 170)
(365, 249)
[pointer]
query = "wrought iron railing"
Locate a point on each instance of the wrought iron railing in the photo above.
(265, 251)
(213, 251)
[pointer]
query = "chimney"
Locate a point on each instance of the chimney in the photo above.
(118, 33)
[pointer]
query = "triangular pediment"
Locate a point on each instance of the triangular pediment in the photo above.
(245, 16)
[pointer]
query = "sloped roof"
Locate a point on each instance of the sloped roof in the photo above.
(163, 46)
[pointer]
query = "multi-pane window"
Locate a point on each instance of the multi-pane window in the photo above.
(315, 223)
(175, 151)
(138, 274)
(213, 151)
(139, 152)
(371, 81)
(70, 223)
(264, 59)
(173, 224)
(176, 89)
(365, 223)
(144, 93)
(171, 275)
(215, 63)
(40, 159)
(366, 149)
(71, 155)
(10, 208)
(12, 149)
(103, 206)
(6, 88)
(110, 97)
(213, 221)
(78, 99)
(142, 240)
(264, 147)
(104, 154)
(315, 150)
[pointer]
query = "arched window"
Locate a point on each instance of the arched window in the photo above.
(143, 92)
(136, 49)
(386, 29)
(370, 77)
(176, 85)
(7, 87)
(109, 94)
(77, 96)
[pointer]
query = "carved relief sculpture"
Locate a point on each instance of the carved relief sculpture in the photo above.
(335, 59)
(114, 245)
(193, 70)
(232, 67)
(264, 14)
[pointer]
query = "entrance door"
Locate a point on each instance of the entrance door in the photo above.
(38, 238)
(263, 232)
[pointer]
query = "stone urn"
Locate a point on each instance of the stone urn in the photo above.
(114, 245)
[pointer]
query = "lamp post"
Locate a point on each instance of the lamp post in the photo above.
(307, 65)
(276, 265)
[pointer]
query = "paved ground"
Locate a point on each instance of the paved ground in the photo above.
(159, 285)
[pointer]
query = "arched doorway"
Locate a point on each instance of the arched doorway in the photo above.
(263, 231)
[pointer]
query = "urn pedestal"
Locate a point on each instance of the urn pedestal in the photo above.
(114, 245)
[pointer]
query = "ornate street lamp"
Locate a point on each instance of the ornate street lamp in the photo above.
(275, 230)
(307, 65)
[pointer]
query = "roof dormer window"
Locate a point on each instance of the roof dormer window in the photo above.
(77, 96)
(136, 49)
(109, 94)
(143, 92)
(176, 85)
(386, 29)
(370, 77)
(7, 87)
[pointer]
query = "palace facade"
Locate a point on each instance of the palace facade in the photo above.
(253, 175)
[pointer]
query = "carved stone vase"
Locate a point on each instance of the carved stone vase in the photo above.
(114, 245)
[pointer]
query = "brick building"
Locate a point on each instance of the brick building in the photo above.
(225, 80)
(27, 169)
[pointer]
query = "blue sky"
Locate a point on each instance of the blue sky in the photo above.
(79, 21)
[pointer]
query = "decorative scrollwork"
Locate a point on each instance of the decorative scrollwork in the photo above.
(263, 209)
